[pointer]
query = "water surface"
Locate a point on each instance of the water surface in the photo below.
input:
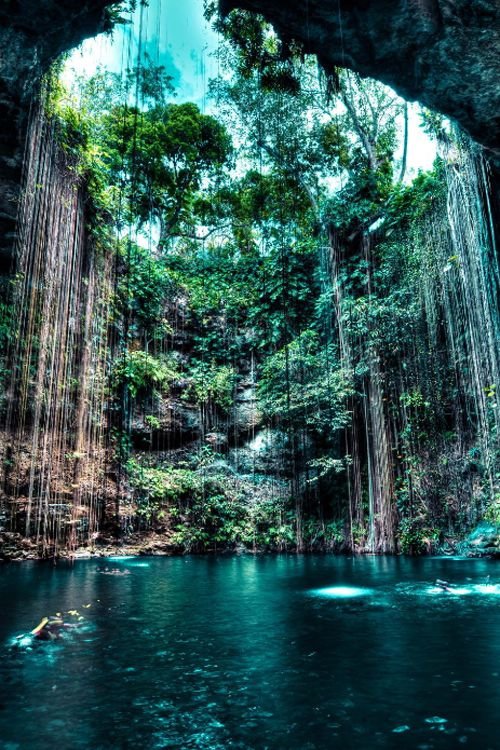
(285, 653)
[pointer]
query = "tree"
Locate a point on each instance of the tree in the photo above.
(163, 155)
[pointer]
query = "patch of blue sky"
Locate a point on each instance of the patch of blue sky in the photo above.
(175, 35)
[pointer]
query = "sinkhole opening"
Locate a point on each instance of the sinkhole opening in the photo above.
(247, 294)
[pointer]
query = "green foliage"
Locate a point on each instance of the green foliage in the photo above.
(326, 465)
(143, 157)
(335, 143)
(302, 384)
(323, 535)
(144, 288)
(6, 325)
(219, 283)
(210, 384)
(73, 132)
(156, 488)
(139, 370)
(434, 125)
(113, 13)
(409, 204)
(163, 153)
(315, 282)
(205, 511)
(416, 536)
(258, 51)
(152, 422)
(492, 513)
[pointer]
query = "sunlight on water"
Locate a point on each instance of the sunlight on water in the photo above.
(484, 589)
(129, 560)
(488, 589)
(21, 641)
(342, 592)
(452, 591)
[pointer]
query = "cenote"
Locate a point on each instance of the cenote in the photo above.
(245, 652)
(249, 374)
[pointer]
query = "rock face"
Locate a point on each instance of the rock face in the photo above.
(484, 541)
(33, 33)
(444, 53)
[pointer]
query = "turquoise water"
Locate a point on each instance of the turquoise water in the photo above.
(239, 652)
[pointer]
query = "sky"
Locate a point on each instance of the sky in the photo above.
(178, 37)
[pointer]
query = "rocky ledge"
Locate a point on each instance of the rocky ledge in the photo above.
(15, 547)
(484, 541)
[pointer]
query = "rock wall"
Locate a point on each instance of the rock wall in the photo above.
(33, 33)
(53, 411)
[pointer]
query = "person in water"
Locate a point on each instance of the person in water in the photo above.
(51, 628)
(114, 572)
(443, 585)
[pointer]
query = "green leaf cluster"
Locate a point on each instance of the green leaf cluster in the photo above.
(139, 370)
(210, 384)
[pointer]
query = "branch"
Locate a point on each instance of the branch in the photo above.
(209, 233)
(405, 146)
(361, 133)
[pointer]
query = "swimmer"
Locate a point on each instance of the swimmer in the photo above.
(114, 572)
(443, 585)
(49, 629)
(117, 572)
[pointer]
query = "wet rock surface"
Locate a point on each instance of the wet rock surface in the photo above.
(15, 547)
(33, 33)
(484, 541)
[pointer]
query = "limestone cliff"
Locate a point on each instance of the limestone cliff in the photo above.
(33, 33)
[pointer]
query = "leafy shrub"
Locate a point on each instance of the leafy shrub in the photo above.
(493, 511)
(139, 370)
(156, 488)
(416, 537)
(316, 387)
(209, 511)
(210, 384)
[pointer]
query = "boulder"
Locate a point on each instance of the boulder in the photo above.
(483, 541)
